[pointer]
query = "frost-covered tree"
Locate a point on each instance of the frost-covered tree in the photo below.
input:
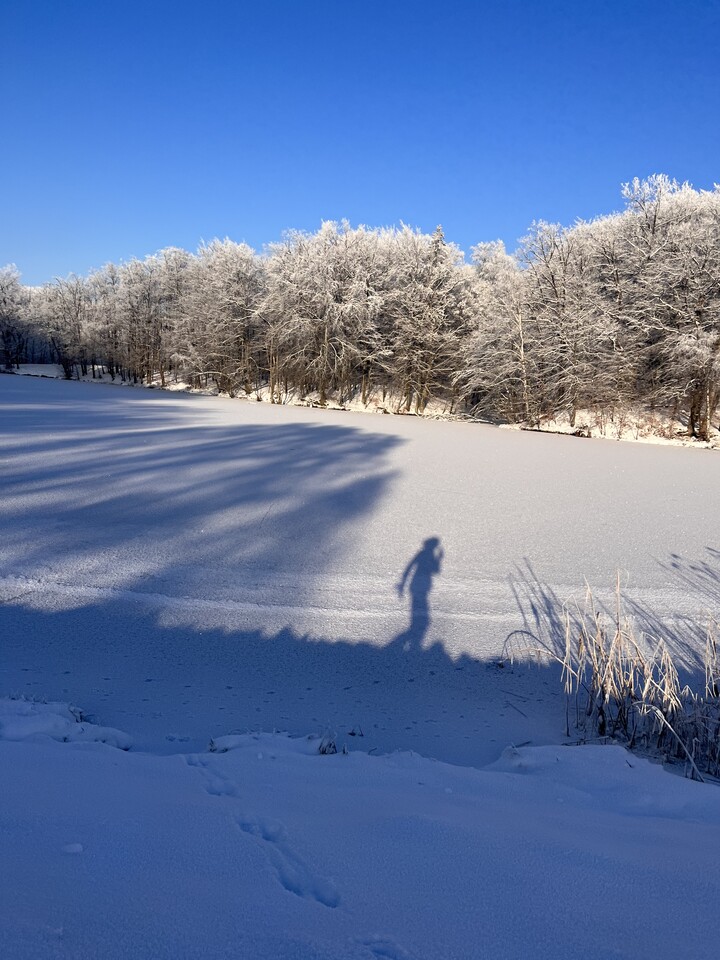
(147, 304)
(499, 373)
(428, 306)
(681, 288)
(597, 316)
(320, 308)
(174, 269)
(657, 280)
(14, 330)
(62, 310)
(560, 297)
(219, 334)
(106, 336)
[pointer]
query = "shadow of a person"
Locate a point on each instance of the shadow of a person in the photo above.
(418, 576)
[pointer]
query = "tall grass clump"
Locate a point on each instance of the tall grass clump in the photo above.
(620, 686)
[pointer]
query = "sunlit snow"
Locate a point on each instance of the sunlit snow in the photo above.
(187, 569)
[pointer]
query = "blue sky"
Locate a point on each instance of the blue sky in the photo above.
(131, 126)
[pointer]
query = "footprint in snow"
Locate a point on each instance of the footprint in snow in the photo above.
(292, 871)
(386, 949)
(215, 785)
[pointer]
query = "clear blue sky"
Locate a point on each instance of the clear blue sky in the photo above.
(129, 126)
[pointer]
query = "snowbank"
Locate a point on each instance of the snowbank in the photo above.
(270, 850)
(22, 719)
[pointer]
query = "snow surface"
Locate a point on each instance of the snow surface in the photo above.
(270, 850)
(186, 568)
(22, 719)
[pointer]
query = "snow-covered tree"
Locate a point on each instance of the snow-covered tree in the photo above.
(106, 337)
(62, 310)
(321, 308)
(499, 373)
(598, 316)
(13, 327)
(219, 333)
(428, 306)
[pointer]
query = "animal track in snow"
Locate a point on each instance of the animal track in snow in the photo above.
(292, 871)
(216, 786)
(385, 949)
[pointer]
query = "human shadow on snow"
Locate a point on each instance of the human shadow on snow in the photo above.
(128, 478)
(418, 578)
(188, 533)
(174, 684)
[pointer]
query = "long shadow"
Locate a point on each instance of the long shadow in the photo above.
(542, 618)
(700, 576)
(144, 549)
(173, 687)
(151, 493)
(123, 489)
(686, 634)
(418, 577)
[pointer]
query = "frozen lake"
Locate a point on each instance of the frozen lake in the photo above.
(186, 566)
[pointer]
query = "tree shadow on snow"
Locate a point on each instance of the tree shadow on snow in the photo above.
(174, 686)
(171, 518)
(191, 533)
(130, 487)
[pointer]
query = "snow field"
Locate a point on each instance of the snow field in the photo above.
(271, 850)
(186, 568)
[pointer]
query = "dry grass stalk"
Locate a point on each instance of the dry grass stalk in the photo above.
(624, 690)
(619, 686)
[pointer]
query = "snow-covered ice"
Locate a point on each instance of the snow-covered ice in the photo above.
(185, 568)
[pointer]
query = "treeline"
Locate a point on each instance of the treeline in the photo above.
(604, 315)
